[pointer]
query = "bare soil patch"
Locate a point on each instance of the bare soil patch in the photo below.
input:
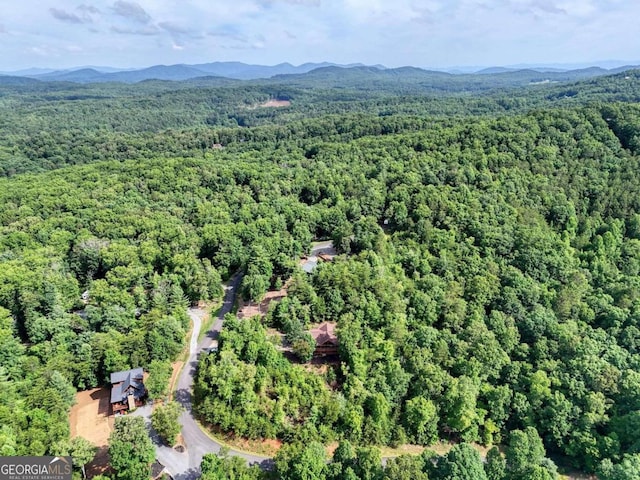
(91, 417)
(276, 103)
(251, 309)
(265, 446)
(262, 447)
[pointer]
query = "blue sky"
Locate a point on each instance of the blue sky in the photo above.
(425, 33)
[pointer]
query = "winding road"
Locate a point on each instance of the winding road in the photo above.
(186, 465)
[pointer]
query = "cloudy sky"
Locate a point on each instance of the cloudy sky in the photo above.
(426, 33)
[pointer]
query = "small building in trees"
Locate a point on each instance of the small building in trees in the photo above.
(213, 347)
(158, 470)
(309, 264)
(326, 257)
(85, 297)
(127, 390)
(326, 339)
(321, 252)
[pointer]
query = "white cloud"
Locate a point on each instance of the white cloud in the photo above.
(418, 32)
(65, 16)
(146, 30)
(131, 10)
(40, 51)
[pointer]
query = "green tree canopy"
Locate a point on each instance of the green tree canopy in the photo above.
(130, 449)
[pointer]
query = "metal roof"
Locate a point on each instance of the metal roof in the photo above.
(123, 382)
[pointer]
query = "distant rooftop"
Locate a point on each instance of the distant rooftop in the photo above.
(324, 333)
(310, 264)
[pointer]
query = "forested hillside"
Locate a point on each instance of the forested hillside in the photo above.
(51, 125)
(488, 282)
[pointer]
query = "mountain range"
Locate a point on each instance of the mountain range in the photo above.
(233, 70)
(225, 72)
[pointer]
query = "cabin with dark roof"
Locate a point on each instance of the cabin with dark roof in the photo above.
(127, 390)
(326, 339)
(158, 470)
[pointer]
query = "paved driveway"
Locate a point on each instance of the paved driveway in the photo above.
(186, 465)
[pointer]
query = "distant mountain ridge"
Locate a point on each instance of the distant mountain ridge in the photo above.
(329, 73)
(412, 79)
(178, 72)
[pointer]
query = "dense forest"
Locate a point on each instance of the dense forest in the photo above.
(487, 288)
(52, 125)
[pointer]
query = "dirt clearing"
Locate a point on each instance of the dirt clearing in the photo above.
(276, 103)
(90, 416)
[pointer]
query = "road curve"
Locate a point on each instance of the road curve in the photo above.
(186, 466)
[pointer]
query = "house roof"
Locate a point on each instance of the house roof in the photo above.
(310, 264)
(125, 383)
(324, 333)
(157, 469)
(117, 377)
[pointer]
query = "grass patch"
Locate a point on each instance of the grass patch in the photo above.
(209, 319)
(441, 448)
(387, 452)
(184, 354)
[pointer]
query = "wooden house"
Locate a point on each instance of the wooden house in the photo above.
(326, 339)
(127, 390)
